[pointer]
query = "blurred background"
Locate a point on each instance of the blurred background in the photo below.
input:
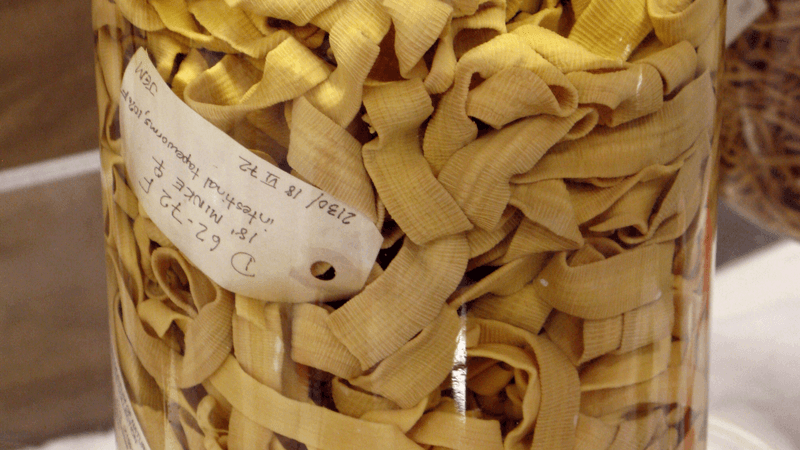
(54, 345)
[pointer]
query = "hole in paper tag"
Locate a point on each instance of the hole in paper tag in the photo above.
(328, 267)
(323, 271)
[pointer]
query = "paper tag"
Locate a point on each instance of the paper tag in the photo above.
(741, 14)
(127, 430)
(250, 226)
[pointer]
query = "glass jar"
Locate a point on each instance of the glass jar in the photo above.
(760, 140)
(348, 224)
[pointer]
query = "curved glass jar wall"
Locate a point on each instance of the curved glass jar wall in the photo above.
(760, 140)
(542, 174)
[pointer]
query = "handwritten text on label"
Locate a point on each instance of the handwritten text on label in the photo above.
(250, 226)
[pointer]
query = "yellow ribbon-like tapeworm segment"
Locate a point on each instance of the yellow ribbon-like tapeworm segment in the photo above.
(611, 371)
(567, 55)
(483, 241)
(451, 128)
(405, 419)
(369, 16)
(121, 233)
(141, 14)
(552, 419)
(679, 206)
(610, 285)
(628, 19)
(454, 431)
(655, 139)
(228, 91)
(679, 20)
(677, 384)
(417, 23)
(151, 353)
(676, 64)
(397, 317)
(479, 175)
(207, 338)
(313, 343)
(522, 309)
(258, 341)
(595, 196)
(339, 97)
(330, 157)
(642, 93)
(166, 46)
(180, 20)
(583, 340)
(594, 434)
(532, 238)
(304, 422)
(641, 431)
(296, 11)
(243, 433)
(419, 204)
(549, 204)
(648, 323)
(193, 65)
(355, 402)
(508, 279)
(419, 366)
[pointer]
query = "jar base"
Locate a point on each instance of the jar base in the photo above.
(724, 435)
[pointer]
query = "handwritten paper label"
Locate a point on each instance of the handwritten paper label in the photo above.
(127, 430)
(741, 14)
(251, 227)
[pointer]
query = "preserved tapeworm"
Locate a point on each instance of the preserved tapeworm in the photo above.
(541, 173)
(760, 141)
